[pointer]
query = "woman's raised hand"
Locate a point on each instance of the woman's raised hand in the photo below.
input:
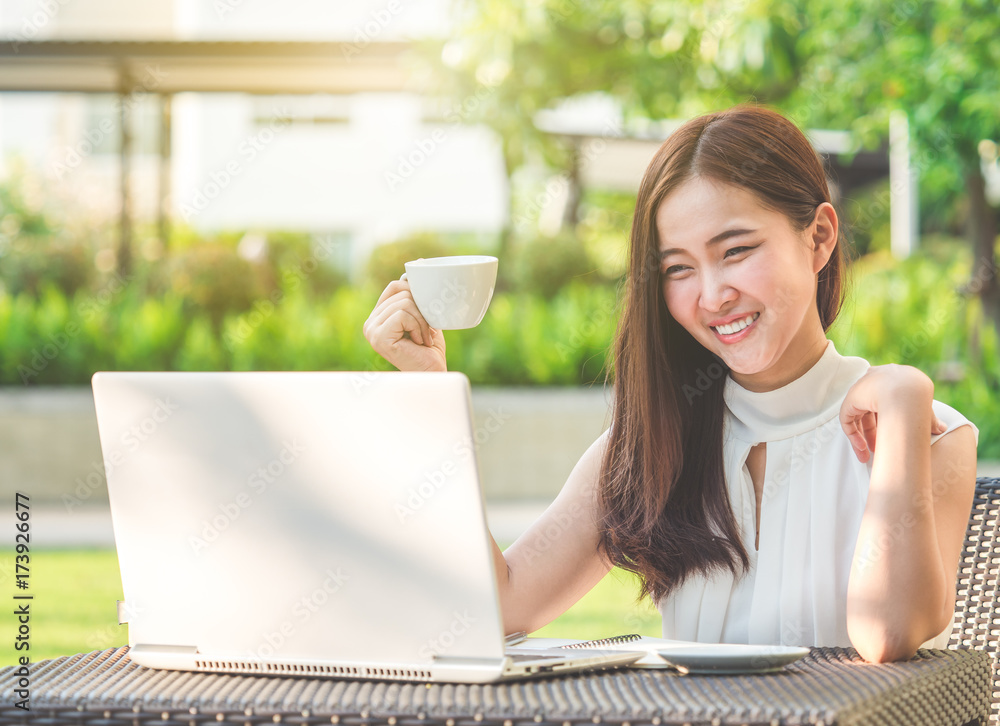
(896, 386)
(398, 332)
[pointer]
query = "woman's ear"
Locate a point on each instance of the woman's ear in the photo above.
(823, 235)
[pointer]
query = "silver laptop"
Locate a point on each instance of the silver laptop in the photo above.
(324, 524)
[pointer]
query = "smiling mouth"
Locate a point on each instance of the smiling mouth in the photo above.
(736, 326)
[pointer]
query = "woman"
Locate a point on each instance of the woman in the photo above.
(740, 477)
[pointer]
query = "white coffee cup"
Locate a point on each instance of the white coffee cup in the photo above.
(452, 293)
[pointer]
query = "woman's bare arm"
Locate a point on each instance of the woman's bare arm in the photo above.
(556, 561)
(902, 581)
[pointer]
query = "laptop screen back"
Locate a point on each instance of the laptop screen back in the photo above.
(299, 516)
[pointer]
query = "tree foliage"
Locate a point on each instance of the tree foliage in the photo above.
(844, 64)
(937, 62)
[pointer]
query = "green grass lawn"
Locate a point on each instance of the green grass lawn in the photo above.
(73, 610)
(73, 605)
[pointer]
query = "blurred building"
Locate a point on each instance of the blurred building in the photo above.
(359, 168)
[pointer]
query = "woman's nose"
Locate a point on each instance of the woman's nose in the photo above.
(716, 292)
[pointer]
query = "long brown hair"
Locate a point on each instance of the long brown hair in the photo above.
(665, 510)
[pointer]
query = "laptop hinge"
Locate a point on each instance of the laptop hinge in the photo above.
(168, 650)
(164, 656)
(451, 660)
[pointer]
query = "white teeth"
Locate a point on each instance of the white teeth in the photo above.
(738, 325)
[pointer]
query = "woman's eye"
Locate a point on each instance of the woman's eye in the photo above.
(674, 269)
(737, 250)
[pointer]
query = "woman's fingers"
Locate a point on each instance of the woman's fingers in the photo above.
(398, 318)
(387, 306)
(862, 444)
(862, 431)
(409, 324)
(859, 444)
(391, 289)
(860, 428)
(416, 325)
(409, 354)
(869, 425)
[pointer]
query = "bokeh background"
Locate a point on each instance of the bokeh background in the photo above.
(229, 184)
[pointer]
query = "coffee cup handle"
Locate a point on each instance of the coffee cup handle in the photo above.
(403, 277)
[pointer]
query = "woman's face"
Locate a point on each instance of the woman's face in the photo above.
(742, 281)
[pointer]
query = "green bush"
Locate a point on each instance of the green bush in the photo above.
(523, 339)
(213, 278)
(544, 265)
(527, 340)
(300, 259)
(386, 261)
(37, 250)
(30, 264)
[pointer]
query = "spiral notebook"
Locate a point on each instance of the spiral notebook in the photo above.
(627, 642)
(607, 642)
(684, 655)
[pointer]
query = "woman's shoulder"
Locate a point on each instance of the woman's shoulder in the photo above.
(855, 367)
(952, 418)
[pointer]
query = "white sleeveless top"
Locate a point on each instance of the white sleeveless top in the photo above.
(814, 497)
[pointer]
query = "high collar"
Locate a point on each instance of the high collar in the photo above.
(809, 401)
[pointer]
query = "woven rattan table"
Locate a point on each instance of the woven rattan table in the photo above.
(830, 686)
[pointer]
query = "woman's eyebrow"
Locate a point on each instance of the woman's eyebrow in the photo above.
(720, 237)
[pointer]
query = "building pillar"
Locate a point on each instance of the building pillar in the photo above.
(124, 160)
(903, 198)
(163, 206)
